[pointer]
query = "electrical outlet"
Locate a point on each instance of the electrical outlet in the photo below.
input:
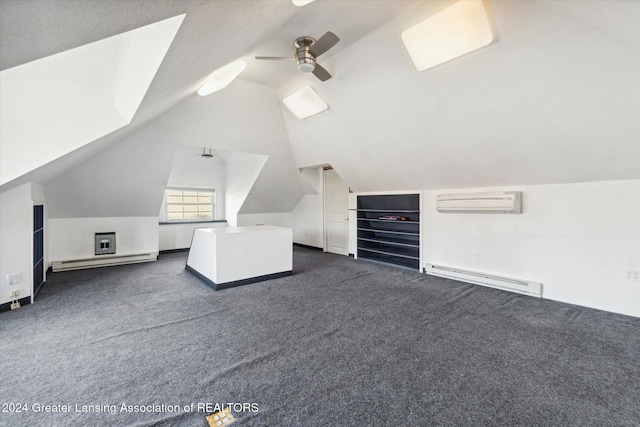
(14, 294)
(633, 275)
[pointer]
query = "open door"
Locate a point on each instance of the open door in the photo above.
(336, 213)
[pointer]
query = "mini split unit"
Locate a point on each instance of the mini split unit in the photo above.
(493, 202)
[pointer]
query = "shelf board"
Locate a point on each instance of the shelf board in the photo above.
(405, 263)
(389, 221)
(378, 230)
(392, 241)
(388, 210)
(377, 251)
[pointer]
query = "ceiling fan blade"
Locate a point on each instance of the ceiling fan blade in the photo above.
(276, 58)
(321, 73)
(323, 44)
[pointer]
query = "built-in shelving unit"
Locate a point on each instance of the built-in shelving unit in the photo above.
(389, 229)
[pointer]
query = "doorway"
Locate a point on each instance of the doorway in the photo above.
(336, 213)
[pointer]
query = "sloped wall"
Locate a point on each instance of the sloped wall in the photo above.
(553, 100)
(125, 180)
(243, 117)
(129, 178)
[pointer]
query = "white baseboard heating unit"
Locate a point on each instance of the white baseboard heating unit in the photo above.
(103, 261)
(520, 286)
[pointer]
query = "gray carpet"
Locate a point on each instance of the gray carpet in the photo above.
(341, 342)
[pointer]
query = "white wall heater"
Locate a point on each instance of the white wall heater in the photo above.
(489, 202)
(520, 286)
(103, 261)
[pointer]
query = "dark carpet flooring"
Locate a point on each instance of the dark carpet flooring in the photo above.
(342, 342)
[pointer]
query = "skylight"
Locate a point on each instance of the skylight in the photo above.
(458, 29)
(305, 103)
(222, 77)
(57, 104)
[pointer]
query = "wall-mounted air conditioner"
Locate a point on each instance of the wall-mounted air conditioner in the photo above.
(491, 202)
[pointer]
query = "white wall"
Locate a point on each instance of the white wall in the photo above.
(230, 173)
(577, 239)
(191, 170)
(244, 117)
(73, 238)
(16, 237)
(125, 180)
(178, 236)
(308, 214)
(554, 99)
(307, 218)
(242, 170)
(279, 219)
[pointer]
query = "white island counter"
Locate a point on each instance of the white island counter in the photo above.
(234, 256)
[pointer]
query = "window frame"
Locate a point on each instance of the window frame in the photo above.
(211, 192)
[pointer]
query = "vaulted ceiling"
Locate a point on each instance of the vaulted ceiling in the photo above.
(555, 97)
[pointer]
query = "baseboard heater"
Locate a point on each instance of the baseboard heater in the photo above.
(103, 261)
(499, 282)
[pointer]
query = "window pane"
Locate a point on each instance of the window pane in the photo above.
(189, 199)
(190, 204)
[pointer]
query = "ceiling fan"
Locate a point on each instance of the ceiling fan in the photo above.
(306, 52)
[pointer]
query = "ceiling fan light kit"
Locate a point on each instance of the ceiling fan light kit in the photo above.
(306, 62)
(307, 50)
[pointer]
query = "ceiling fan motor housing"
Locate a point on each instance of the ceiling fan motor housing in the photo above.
(306, 62)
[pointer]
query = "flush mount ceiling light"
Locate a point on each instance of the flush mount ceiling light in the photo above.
(301, 2)
(221, 77)
(459, 29)
(305, 103)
